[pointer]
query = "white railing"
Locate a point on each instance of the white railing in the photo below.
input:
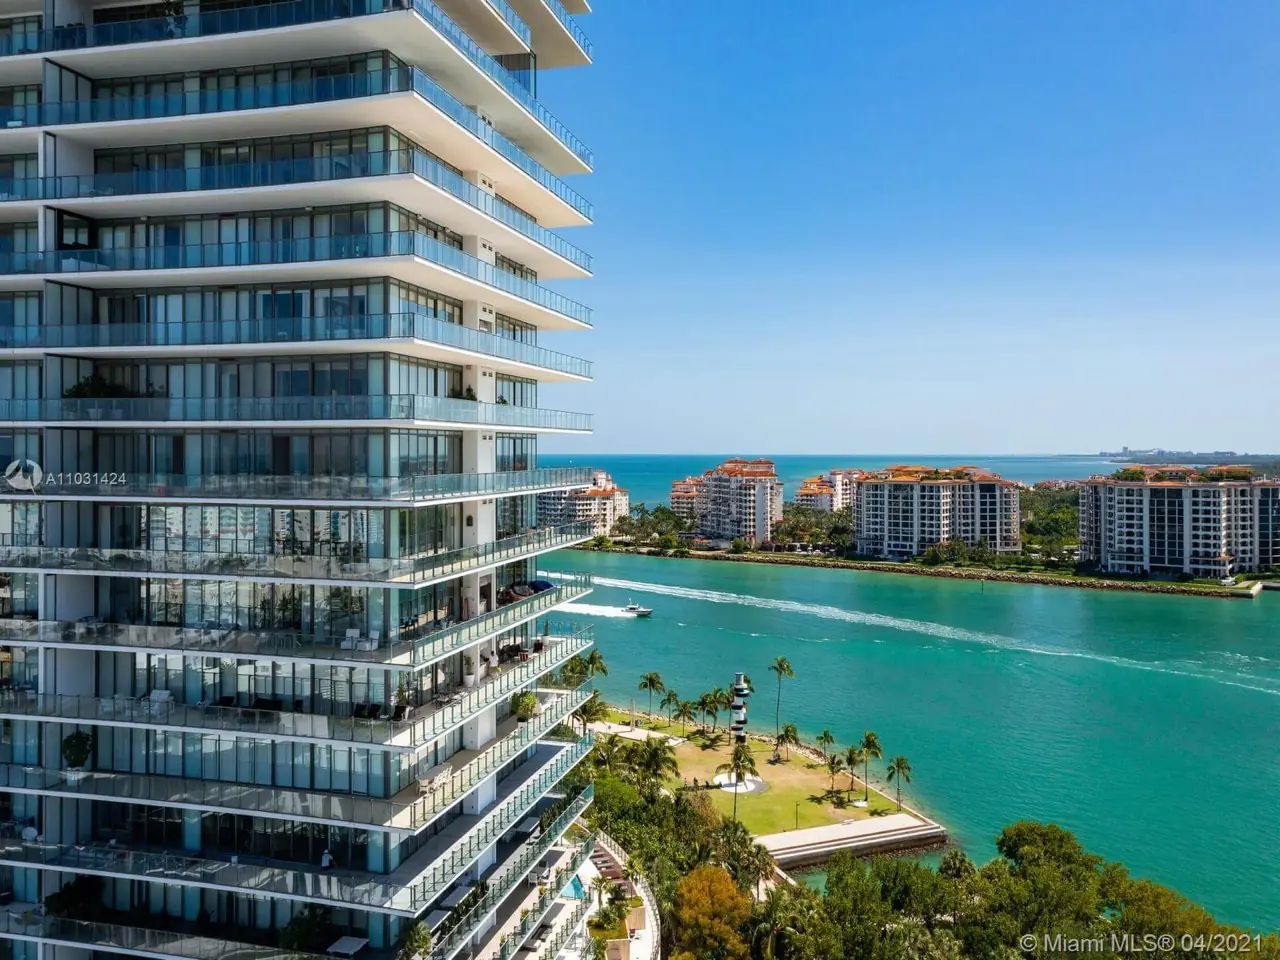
(643, 889)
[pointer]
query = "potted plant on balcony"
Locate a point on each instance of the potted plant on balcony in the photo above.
(468, 670)
(415, 942)
(77, 747)
(525, 706)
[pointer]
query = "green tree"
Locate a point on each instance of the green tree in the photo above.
(825, 739)
(740, 765)
(781, 667)
(835, 764)
(788, 738)
(852, 760)
(593, 710)
(685, 712)
(871, 750)
(652, 682)
(655, 760)
(899, 770)
(669, 701)
(594, 663)
(415, 942)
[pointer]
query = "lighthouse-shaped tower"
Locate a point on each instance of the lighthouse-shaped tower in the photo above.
(738, 708)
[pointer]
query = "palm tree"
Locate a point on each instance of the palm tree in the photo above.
(835, 763)
(653, 683)
(669, 700)
(782, 667)
(591, 711)
(595, 665)
(741, 763)
(708, 707)
(852, 759)
(600, 886)
(609, 756)
(899, 770)
(724, 699)
(756, 865)
(871, 750)
(789, 737)
(685, 713)
(655, 759)
(825, 739)
(777, 919)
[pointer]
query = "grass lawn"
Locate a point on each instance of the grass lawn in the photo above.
(798, 790)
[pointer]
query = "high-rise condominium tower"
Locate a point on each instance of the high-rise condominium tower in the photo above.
(272, 302)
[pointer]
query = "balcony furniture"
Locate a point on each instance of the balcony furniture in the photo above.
(375, 711)
(433, 778)
(30, 834)
(402, 712)
(360, 711)
(158, 703)
(347, 946)
(351, 640)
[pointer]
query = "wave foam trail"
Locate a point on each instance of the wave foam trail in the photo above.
(925, 627)
(594, 610)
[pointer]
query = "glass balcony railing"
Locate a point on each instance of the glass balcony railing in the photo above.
(231, 557)
(391, 407)
(426, 327)
(422, 488)
(511, 739)
(418, 728)
(513, 20)
(114, 939)
(463, 843)
(405, 892)
(564, 930)
(267, 95)
(569, 23)
(414, 646)
(293, 12)
(239, 176)
(397, 243)
(460, 930)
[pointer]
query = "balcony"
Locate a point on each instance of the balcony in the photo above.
(420, 334)
(524, 909)
(317, 411)
(408, 812)
(412, 646)
(559, 39)
(410, 732)
(446, 269)
(487, 81)
(406, 891)
(135, 941)
(107, 194)
(422, 489)
(336, 102)
(267, 560)
(507, 878)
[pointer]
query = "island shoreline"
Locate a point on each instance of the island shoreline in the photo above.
(947, 572)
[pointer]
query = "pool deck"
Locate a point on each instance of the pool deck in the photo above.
(895, 832)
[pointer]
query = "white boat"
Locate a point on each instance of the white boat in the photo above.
(636, 610)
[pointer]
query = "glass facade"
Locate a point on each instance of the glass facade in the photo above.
(284, 716)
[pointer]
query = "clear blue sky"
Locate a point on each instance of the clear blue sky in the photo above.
(928, 227)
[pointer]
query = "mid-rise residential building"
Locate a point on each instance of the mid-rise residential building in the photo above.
(601, 504)
(740, 499)
(1180, 521)
(273, 303)
(903, 510)
(689, 500)
(817, 493)
(837, 490)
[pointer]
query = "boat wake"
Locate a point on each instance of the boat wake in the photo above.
(993, 641)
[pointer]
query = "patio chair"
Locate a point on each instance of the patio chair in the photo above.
(434, 778)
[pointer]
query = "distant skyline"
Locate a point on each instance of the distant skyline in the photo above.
(993, 226)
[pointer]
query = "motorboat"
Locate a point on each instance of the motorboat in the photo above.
(635, 610)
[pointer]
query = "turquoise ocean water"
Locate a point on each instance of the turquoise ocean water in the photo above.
(1148, 725)
(648, 476)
